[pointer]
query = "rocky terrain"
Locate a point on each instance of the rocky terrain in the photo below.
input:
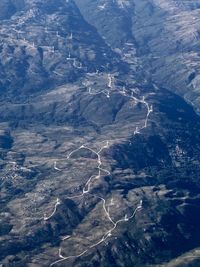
(99, 133)
(163, 33)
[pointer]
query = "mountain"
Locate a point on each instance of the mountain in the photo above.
(165, 36)
(99, 133)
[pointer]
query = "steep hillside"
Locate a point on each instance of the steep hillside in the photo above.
(163, 34)
(100, 152)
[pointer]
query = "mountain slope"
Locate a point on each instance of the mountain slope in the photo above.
(99, 156)
(48, 44)
(164, 34)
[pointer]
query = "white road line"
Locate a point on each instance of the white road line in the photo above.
(55, 166)
(66, 258)
(46, 218)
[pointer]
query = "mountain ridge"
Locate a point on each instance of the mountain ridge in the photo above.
(99, 155)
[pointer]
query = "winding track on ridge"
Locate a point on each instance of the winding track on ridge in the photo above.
(87, 187)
